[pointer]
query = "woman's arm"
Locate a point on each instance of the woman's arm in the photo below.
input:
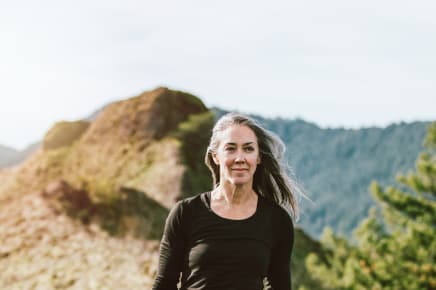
(279, 273)
(171, 252)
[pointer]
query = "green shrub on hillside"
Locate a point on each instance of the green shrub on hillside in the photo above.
(399, 253)
(194, 135)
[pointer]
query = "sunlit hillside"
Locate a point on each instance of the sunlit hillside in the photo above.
(86, 210)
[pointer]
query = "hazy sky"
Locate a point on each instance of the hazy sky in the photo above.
(335, 63)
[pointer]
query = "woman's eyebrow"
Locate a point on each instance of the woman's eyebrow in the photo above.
(234, 144)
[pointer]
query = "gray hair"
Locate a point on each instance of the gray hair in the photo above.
(273, 179)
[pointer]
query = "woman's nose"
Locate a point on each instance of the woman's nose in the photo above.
(240, 157)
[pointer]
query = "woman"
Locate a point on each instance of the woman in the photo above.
(237, 234)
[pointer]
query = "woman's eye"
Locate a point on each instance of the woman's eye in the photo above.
(249, 149)
(230, 149)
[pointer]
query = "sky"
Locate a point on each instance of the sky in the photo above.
(336, 63)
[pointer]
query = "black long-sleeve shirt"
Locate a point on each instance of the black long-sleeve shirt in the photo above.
(216, 253)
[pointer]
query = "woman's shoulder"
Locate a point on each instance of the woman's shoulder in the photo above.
(182, 210)
(188, 203)
(279, 212)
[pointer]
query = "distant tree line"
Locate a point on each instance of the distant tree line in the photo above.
(395, 246)
(335, 166)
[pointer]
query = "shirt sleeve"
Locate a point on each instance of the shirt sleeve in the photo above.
(172, 249)
(279, 272)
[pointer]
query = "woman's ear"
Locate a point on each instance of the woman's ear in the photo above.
(258, 160)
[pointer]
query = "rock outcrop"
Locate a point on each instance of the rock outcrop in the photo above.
(86, 210)
(64, 134)
(136, 143)
(43, 248)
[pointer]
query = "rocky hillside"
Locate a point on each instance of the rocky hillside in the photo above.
(139, 143)
(44, 248)
(86, 210)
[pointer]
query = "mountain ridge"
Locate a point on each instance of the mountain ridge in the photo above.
(354, 156)
(102, 188)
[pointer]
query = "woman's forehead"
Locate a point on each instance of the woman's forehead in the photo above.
(237, 134)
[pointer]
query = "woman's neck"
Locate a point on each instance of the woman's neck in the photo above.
(234, 195)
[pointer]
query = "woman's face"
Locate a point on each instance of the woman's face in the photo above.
(237, 155)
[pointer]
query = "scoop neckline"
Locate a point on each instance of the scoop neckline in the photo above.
(209, 207)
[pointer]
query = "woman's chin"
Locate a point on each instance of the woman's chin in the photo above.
(239, 182)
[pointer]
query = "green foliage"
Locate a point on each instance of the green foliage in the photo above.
(304, 245)
(399, 253)
(131, 212)
(430, 139)
(194, 135)
(335, 166)
(117, 210)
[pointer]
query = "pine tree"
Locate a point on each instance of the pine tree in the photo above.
(394, 250)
